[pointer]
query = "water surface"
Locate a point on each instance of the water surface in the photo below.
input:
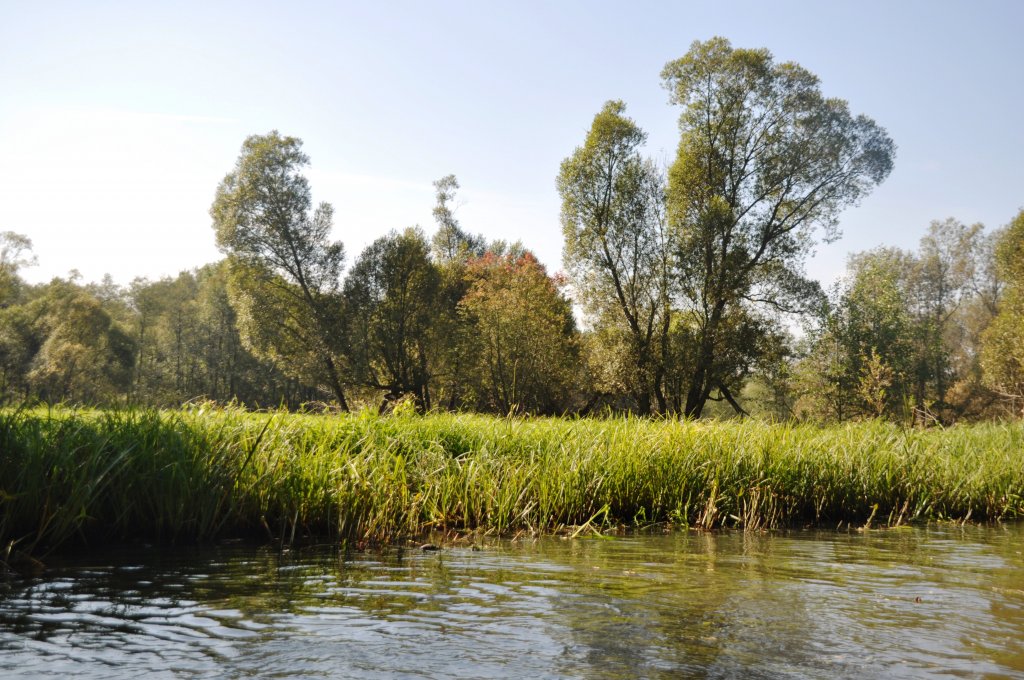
(927, 602)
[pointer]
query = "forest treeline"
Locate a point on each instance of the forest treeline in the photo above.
(683, 290)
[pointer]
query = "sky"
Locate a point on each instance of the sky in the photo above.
(118, 120)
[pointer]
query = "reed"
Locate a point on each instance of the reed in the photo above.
(196, 475)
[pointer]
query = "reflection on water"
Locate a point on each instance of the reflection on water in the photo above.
(902, 603)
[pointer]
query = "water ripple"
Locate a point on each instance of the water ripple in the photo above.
(932, 602)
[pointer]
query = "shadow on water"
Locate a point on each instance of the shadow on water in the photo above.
(920, 602)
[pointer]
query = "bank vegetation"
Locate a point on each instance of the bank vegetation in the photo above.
(72, 477)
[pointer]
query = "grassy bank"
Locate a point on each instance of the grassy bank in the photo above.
(196, 475)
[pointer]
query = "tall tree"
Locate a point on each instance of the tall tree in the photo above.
(616, 246)
(764, 160)
(863, 355)
(971, 396)
(16, 345)
(937, 288)
(287, 269)
(452, 247)
(19, 342)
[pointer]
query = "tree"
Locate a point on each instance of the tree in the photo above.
(1003, 341)
(451, 243)
(391, 299)
(764, 160)
(166, 325)
(937, 290)
(19, 342)
(525, 335)
(228, 370)
(15, 253)
(452, 248)
(971, 396)
(16, 347)
(863, 356)
(188, 346)
(286, 270)
(82, 356)
(616, 246)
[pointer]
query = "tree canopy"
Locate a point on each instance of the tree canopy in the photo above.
(287, 269)
(616, 244)
(764, 161)
(684, 291)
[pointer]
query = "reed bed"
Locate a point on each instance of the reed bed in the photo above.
(202, 474)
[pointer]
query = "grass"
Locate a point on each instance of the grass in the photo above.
(196, 475)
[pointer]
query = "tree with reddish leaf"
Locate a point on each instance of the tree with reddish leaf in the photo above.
(525, 340)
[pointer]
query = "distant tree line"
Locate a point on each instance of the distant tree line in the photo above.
(687, 281)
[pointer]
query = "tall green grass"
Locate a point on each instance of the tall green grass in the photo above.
(184, 476)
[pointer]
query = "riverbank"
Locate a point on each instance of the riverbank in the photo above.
(197, 475)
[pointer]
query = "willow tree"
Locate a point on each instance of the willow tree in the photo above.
(616, 247)
(286, 271)
(451, 243)
(765, 163)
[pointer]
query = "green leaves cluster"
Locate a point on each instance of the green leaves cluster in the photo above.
(908, 334)
(428, 321)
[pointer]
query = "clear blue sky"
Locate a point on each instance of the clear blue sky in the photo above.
(117, 120)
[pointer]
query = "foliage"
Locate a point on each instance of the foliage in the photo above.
(616, 244)
(183, 476)
(189, 346)
(525, 335)
(450, 243)
(391, 296)
(1003, 350)
(764, 159)
(451, 249)
(15, 253)
(82, 355)
(689, 285)
(910, 320)
(286, 270)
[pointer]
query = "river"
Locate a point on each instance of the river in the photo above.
(938, 601)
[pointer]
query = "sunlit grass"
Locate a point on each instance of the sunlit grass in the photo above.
(184, 476)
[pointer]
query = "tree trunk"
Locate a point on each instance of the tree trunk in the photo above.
(659, 373)
(643, 401)
(659, 392)
(335, 383)
(695, 398)
(644, 382)
(732, 402)
(700, 387)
